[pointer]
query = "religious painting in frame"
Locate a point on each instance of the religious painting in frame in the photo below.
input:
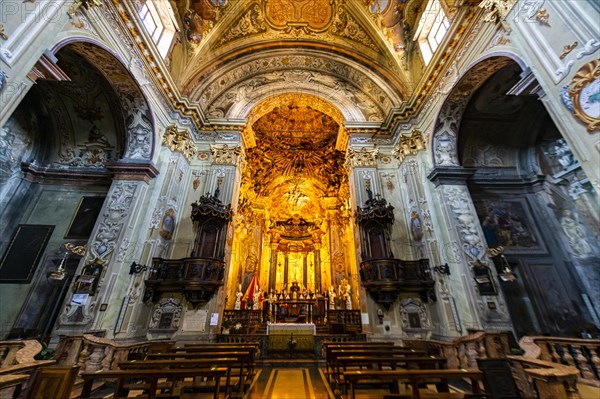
(84, 219)
(24, 253)
(508, 223)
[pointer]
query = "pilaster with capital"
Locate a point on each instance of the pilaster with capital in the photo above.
(475, 309)
(113, 233)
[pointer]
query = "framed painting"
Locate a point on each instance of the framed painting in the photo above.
(84, 219)
(24, 252)
(509, 223)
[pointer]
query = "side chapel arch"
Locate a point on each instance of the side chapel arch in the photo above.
(140, 141)
(445, 131)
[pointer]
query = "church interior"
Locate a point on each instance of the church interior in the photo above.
(241, 192)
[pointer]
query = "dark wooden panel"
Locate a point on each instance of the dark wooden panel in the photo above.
(24, 252)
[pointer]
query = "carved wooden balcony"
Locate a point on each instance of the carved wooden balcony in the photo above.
(196, 278)
(386, 279)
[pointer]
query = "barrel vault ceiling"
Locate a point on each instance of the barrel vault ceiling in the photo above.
(356, 55)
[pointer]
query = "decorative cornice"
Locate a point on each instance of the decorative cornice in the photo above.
(179, 141)
(145, 171)
(452, 175)
(65, 176)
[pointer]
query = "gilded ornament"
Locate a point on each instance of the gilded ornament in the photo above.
(76, 249)
(496, 10)
(2, 34)
(251, 22)
(82, 3)
(409, 145)
(179, 141)
(585, 94)
(314, 15)
(567, 49)
(543, 17)
(225, 155)
(363, 158)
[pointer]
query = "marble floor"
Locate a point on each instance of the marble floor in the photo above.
(290, 382)
(306, 380)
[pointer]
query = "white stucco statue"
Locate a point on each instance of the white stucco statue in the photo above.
(238, 298)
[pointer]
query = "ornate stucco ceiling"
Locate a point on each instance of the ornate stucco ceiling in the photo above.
(294, 166)
(355, 54)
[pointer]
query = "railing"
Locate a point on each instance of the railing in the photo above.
(18, 352)
(463, 352)
(8, 352)
(249, 320)
(550, 369)
(92, 353)
(583, 354)
(539, 379)
(349, 321)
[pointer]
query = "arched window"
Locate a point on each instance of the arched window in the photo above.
(431, 29)
(160, 23)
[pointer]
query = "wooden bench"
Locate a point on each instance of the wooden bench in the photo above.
(229, 363)
(26, 368)
(331, 359)
(347, 363)
(149, 380)
(11, 377)
(414, 378)
(52, 382)
(12, 382)
(245, 358)
(328, 347)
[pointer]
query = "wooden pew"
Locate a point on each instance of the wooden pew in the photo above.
(229, 363)
(150, 378)
(17, 377)
(329, 346)
(245, 358)
(330, 361)
(347, 363)
(12, 382)
(413, 377)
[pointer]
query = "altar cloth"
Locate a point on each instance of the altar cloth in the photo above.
(291, 336)
(291, 328)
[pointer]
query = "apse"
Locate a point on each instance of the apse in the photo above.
(292, 219)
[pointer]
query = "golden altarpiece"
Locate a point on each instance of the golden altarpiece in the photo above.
(294, 230)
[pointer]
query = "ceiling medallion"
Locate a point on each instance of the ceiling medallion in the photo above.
(312, 15)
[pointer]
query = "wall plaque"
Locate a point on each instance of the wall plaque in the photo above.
(24, 253)
(194, 320)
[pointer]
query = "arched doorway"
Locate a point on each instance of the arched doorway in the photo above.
(530, 195)
(66, 141)
(523, 187)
